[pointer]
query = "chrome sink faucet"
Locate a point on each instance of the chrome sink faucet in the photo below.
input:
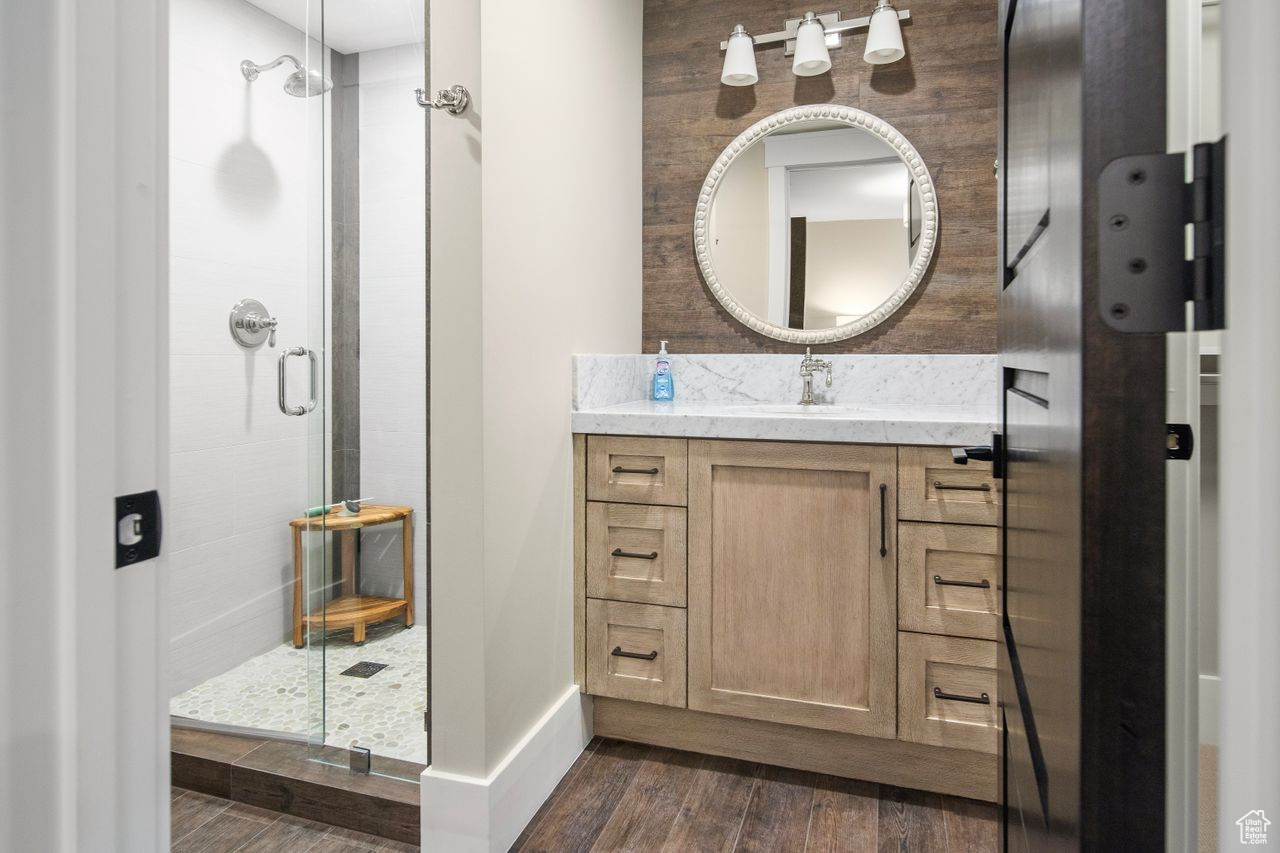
(808, 366)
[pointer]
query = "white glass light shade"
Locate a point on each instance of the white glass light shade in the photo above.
(812, 57)
(884, 38)
(740, 62)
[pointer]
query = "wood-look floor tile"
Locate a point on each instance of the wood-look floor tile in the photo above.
(644, 815)
(777, 817)
(333, 844)
(845, 816)
(581, 812)
(191, 811)
(224, 834)
(911, 822)
(971, 826)
(288, 833)
(712, 812)
(564, 784)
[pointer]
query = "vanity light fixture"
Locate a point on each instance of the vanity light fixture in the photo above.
(811, 38)
(739, 59)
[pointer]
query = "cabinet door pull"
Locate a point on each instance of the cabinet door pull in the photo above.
(618, 552)
(619, 653)
(884, 549)
(943, 487)
(984, 699)
(619, 469)
(982, 584)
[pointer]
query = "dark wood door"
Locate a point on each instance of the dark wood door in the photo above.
(1082, 641)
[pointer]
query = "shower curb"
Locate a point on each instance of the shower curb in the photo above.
(284, 776)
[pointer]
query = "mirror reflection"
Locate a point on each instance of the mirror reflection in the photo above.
(815, 225)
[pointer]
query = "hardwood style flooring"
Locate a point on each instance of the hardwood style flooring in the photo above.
(625, 796)
(202, 823)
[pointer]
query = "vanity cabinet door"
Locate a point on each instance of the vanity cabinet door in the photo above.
(792, 594)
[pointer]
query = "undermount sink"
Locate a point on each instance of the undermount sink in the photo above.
(795, 409)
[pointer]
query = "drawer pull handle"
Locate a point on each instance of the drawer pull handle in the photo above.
(943, 487)
(618, 552)
(619, 469)
(884, 550)
(982, 584)
(984, 699)
(619, 653)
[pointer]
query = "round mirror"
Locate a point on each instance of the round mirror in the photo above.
(816, 224)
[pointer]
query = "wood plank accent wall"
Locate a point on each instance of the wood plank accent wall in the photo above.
(942, 97)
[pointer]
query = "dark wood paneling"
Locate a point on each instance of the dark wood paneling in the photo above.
(942, 97)
(637, 798)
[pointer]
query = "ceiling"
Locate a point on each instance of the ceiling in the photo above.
(352, 26)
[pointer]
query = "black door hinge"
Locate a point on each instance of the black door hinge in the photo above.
(1144, 207)
(1179, 441)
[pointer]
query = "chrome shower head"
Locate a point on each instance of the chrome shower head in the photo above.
(302, 83)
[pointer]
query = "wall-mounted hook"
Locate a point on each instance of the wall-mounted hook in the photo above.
(454, 99)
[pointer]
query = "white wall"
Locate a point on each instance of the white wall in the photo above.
(242, 165)
(851, 267)
(535, 255)
(562, 274)
(393, 311)
(740, 231)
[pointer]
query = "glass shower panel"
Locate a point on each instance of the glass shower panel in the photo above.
(365, 561)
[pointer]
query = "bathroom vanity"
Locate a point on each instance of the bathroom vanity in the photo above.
(781, 571)
(827, 604)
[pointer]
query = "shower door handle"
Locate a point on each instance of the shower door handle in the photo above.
(298, 411)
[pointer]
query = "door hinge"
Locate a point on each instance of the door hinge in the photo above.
(1144, 207)
(1179, 441)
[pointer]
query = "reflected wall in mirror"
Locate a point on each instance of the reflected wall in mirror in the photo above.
(816, 224)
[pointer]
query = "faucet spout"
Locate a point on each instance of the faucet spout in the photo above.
(808, 366)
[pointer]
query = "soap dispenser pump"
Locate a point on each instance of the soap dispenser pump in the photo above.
(664, 386)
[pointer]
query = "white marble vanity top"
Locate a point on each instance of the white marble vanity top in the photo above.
(916, 399)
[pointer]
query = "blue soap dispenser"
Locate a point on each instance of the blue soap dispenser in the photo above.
(664, 386)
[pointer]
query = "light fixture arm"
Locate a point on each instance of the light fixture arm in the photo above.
(831, 24)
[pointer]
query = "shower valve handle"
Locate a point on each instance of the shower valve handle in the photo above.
(257, 323)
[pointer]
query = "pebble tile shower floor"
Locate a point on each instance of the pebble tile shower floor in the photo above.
(270, 692)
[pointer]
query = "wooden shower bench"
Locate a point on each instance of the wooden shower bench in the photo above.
(350, 609)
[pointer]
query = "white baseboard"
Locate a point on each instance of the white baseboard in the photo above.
(1210, 686)
(466, 814)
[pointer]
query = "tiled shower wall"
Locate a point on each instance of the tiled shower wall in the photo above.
(241, 160)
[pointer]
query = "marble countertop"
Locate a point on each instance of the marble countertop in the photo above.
(940, 400)
(905, 424)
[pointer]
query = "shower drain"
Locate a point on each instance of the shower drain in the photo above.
(364, 669)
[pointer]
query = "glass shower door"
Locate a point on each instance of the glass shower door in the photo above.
(365, 550)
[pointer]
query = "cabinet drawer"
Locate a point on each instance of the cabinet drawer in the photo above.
(636, 553)
(931, 487)
(636, 651)
(947, 691)
(941, 572)
(637, 470)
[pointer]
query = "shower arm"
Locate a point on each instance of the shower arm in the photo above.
(251, 70)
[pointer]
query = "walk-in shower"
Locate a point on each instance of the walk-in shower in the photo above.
(302, 83)
(294, 616)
